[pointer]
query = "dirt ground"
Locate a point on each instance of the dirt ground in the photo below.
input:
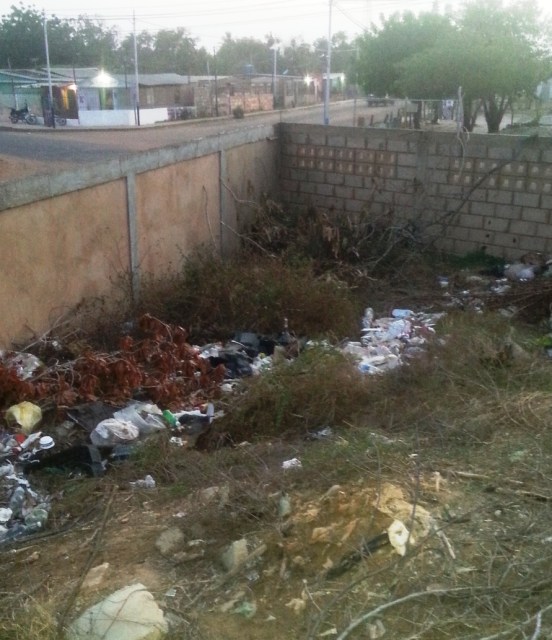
(315, 558)
(305, 576)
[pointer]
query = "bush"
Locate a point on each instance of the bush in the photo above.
(238, 112)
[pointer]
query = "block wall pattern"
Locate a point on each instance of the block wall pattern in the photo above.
(491, 192)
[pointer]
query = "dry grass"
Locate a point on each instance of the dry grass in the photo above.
(475, 408)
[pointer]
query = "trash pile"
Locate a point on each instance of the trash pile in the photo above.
(101, 406)
(97, 407)
(387, 342)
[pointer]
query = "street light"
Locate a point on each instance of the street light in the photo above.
(328, 69)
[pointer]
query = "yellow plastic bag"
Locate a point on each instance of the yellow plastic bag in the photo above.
(26, 414)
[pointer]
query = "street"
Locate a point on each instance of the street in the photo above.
(27, 150)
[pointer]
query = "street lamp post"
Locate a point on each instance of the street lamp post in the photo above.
(51, 117)
(136, 77)
(328, 69)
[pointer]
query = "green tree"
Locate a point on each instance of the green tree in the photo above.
(70, 42)
(299, 59)
(381, 50)
(493, 53)
(237, 57)
(92, 44)
(22, 38)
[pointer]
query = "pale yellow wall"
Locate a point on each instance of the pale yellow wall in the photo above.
(249, 172)
(59, 251)
(56, 252)
(177, 208)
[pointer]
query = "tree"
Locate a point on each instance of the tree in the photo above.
(493, 53)
(401, 36)
(244, 55)
(92, 44)
(22, 38)
(70, 42)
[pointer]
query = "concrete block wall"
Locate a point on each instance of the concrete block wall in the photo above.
(490, 192)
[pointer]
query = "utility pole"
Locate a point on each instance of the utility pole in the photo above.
(328, 69)
(274, 48)
(136, 79)
(216, 85)
(13, 86)
(50, 91)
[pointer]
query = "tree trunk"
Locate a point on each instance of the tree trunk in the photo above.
(494, 112)
(418, 116)
(471, 109)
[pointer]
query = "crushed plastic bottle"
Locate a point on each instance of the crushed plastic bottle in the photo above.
(17, 500)
(36, 519)
(368, 318)
(402, 313)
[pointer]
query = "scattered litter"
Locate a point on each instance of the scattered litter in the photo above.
(112, 431)
(246, 609)
(402, 313)
(145, 483)
(148, 418)
(385, 342)
(321, 434)
(26, 414)
(25, 365)
(398, 536)
(294, 463)
(26, 512)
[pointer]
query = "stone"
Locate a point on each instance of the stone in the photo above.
(130, 613)
(169, 541)
(95, 576)
(235, 554)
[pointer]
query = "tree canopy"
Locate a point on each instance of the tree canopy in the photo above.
(87, 42)
(493, 53)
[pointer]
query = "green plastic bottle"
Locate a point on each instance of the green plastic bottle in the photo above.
(169, 418)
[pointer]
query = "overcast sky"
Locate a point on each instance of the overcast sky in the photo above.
(209, 20)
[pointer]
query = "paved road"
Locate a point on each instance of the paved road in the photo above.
(30, 150)
(73, 146)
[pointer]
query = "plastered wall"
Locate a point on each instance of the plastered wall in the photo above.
(72, 236)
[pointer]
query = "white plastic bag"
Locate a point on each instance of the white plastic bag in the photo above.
(110, 432)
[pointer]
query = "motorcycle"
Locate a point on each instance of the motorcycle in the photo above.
(22, 115)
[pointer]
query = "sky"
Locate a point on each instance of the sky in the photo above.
(209, 20)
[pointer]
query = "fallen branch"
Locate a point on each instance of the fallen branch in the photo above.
(411, 596)
(468, 475)
(94, 552)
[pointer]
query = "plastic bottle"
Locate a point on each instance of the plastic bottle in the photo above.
(36, 519)
(402, 313)
(17, 500)
(170, 419)
(368, 318)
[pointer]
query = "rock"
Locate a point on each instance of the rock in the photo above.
(128, 614)
(169, 541)
(235, 555)
(321, 534)
(95, 576)
(210, 494)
